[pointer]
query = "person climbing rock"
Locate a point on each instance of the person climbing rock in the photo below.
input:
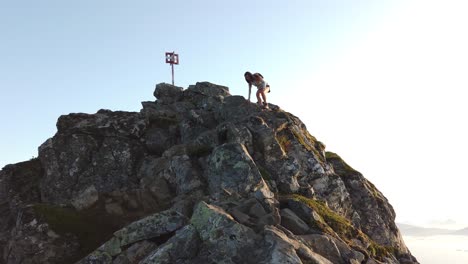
(263, 87)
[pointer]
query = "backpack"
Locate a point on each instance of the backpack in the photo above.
(259, 74)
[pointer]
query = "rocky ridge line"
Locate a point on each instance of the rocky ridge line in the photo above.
(197, 176)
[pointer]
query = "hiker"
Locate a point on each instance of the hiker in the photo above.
(263, 87)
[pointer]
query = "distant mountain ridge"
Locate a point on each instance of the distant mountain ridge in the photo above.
(412, 230)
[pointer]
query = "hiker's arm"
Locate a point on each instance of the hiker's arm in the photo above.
(250, 90)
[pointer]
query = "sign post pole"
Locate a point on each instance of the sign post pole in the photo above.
(172, 58)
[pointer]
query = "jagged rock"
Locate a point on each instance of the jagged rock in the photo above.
(24, 237)
(86, 199)
(167, 94)
(103, 123)
(242, 184)
(154, 226)
(100, 150)
(335, 250)
(236, 108)
(293, 223)
(366, 200)
(184, 175)
(307, 214)
(244, 179)
(222, 236)
(209, 89)
(231, 133)
(240, 217)
(257, 210)
(150, 227)
(182, 248)
(286, 250)
(157, 140)
(135, 253)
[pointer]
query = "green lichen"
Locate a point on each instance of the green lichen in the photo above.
(200, 216)
(113, 246)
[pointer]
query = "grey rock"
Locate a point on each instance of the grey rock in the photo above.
(158, 140)
(366, 201)
(240, 217)
(24, 236)
(150, 227)
(232, 133)
(231, 168)
(209, 89)
(220, 233)
(305, 213)
(167, 94)
(86, 199)
(292, 222)
(153, 226)
(100, 150)
(183, 175)
(181, 248)
(286, 250)
(257, 210)
(336, 251)
(135, 253)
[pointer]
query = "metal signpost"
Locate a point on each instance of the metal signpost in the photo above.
(172, 59)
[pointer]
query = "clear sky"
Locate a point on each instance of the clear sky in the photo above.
(379, 82)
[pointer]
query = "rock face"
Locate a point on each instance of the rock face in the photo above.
(197, 176)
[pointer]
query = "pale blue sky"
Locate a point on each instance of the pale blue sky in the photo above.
(79, 56)
(379, 82)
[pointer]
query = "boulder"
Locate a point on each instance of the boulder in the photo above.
(286, 250)
(151, 227)
(335, 250)
(293, 223)
(209, 89)
(221, 234)
(232, 170)
(167, 93)
(183, 247)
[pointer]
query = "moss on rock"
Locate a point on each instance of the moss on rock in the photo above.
(340, 166)
(284, 142)
(91, 227)
(339, 225)
(309, 142)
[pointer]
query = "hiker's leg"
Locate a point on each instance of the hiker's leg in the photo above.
(258, 96)
(262, 93)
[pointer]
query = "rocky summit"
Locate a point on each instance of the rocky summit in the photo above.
(197, 176)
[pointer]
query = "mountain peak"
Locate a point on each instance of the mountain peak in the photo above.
(197, 176)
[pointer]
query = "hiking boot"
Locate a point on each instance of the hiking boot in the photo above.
(265, 105)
